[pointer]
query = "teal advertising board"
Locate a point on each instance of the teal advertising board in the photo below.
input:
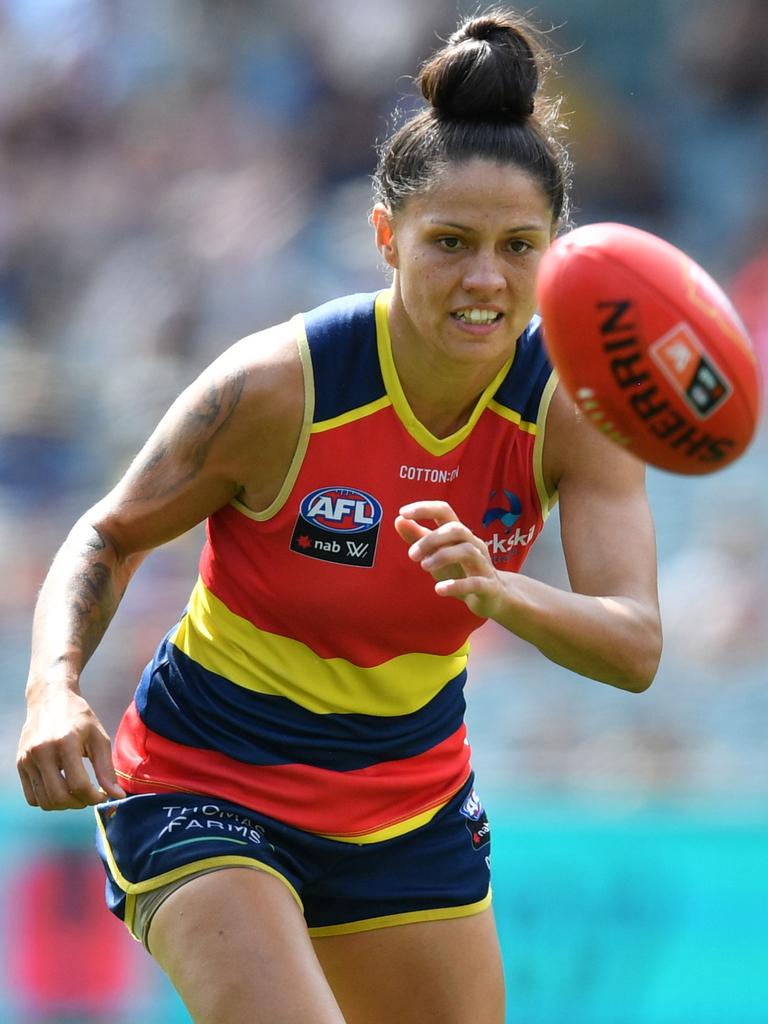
(659, 917)
(655, 917)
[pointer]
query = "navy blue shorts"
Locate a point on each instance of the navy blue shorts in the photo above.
(439, 870)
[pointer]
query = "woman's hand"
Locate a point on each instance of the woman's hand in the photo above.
(452, 554)
(60, 731)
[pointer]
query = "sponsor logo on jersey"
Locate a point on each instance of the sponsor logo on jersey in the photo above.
(692, 372)
(505, 507)
(208, 821)
(338, 524)
(425, 474)
(499, 545)
(505, 511)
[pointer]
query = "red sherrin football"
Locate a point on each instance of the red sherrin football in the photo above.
(649, 347)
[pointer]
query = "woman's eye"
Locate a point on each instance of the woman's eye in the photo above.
(519, 245)
(449, 242)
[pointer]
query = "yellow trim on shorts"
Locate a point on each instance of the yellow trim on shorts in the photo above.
(411, 917)
(391, 831)
(193, 867)
(130, 914)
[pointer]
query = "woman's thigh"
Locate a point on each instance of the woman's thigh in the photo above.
(235, 945)
(447, 971)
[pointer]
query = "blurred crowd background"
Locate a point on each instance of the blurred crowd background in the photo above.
(175, 174)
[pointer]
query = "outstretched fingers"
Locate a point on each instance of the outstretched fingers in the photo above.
(439, 512)
(457, 560)
(447, 544)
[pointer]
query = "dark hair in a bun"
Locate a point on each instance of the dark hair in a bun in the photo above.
(485, 71)
(483, 90)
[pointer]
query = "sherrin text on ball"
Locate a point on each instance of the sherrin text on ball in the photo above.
(649, 347)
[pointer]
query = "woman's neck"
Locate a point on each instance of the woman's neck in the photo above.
(441, 394)
(443, 412)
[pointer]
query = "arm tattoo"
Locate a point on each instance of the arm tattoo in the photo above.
(94, 543)
(202, 423)
(93, 597)
(100, 575)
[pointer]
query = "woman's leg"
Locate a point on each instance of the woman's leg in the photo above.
(235, 945)
(447, 971)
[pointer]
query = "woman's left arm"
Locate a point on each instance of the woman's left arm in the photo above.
(607, 627)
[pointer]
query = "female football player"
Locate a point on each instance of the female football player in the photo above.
(288, 818)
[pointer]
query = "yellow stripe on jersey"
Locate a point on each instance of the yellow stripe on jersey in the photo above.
(223, 642)
(512, 416)
(427, 440)
(548, 500)
(352, 415)
(399, 829)
(301, 447)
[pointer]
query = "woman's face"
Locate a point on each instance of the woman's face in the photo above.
(465, 255)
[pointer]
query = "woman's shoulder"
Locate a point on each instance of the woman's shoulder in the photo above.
(290, 373)
(280, 347)
(262, 433)
(273, 349)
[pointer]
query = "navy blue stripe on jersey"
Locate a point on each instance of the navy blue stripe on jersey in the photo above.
(184, 702)
(522, 388)
(345, 361)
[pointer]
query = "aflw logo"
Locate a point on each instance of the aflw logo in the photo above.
(357, 550)
(326, 515)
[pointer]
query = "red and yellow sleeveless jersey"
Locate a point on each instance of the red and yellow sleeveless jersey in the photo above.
(315, 676)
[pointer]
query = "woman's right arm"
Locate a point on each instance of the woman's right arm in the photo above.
(200, 456)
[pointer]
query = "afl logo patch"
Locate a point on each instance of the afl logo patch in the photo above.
(338, 524)
(472, 807)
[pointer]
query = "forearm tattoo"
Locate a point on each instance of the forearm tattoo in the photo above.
(94, 596)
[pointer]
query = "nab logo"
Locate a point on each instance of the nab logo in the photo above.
(338, 524)
(479, 831)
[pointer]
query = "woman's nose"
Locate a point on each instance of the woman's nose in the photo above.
(484, 273)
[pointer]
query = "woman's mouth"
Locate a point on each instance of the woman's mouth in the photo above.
(477, 317)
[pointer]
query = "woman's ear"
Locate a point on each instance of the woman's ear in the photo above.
(381, 219)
